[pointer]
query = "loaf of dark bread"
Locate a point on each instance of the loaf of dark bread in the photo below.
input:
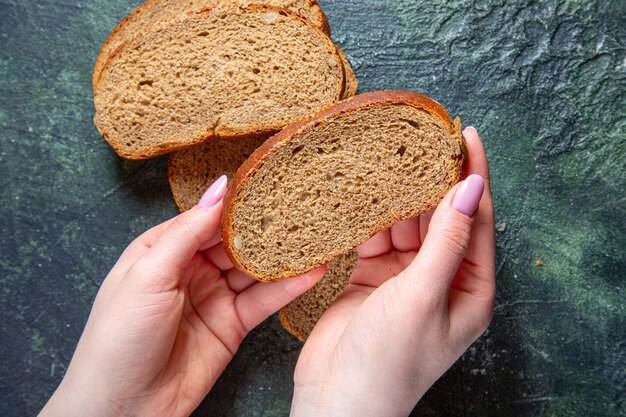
(326, 184)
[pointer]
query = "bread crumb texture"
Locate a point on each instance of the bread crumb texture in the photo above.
(191, 171)
(228, 72)
(152, 11)
(337, 182)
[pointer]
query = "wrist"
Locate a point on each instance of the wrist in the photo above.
(330, 401)
(72, 399)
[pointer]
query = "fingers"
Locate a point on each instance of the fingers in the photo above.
(217, 256)
(478, 164)
(455, 266)
(141, 245)
(424, 223)
(373, 272)
(473, 290)
(214, 240)
(239, 281)
(482, 247)
(477, 159)
(447, 241)
(405, 235)
(377, 245)
(168, 257)
(182, 239)
(261, 300)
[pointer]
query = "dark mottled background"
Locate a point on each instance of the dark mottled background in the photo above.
(545, 83)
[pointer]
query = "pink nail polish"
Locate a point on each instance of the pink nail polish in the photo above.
(214, 194)
(472, 128)
(468, 196)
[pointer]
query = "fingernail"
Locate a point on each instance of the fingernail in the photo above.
(468, 196)
(215, 193)
(472, 128)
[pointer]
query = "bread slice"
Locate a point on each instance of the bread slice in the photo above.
(224, 72)
(191, 171)
(352, 84)
(152, 11)
(324, 185)
(301, 315)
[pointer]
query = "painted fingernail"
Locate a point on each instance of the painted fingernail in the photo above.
(215, 193)
(472, 128)
(468, 196)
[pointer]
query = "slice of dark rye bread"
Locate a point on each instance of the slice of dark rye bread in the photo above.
(152, 11)
(326, 184)
(224, 72)
(301, 315)
(191, 171)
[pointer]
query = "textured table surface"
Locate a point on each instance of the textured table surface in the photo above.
(545, 83)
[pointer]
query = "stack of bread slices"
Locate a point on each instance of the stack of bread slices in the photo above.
(208, 81)
(259, 92)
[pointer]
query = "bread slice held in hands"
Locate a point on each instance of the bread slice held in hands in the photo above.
(326, 184)
(191, 171)
(151, 11)
(224, 72)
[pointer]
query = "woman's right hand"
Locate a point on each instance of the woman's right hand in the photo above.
(421, 293)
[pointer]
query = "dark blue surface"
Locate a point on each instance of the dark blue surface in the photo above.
(544, 82)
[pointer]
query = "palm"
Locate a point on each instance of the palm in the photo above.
(181, 337)
(375, 285)
(207, 331)
(381, 259)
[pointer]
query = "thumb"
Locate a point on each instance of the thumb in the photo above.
(185, 235)
(447, 240)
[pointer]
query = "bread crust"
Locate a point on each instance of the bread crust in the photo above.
(325, 26)
(273, 144)
(223, 133)
(351, 82)
(119, 30)
(284, 321)
(171, 173)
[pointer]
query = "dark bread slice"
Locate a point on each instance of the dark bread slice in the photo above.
(324, 185)
(224, 72)
(301, 315)
(191, 171)
(152, 11)
(352, 84)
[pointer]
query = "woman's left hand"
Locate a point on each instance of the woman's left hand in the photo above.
(167, 320)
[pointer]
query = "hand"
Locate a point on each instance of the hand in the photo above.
(167, 320)
(421, 293)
